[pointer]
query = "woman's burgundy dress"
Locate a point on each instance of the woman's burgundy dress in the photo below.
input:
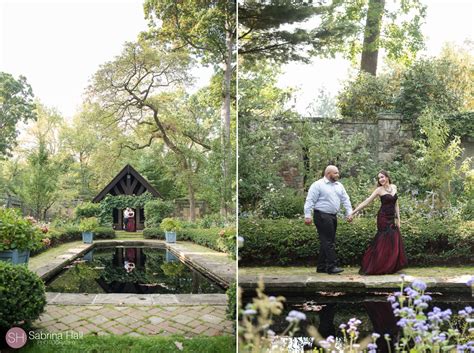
(386, 253)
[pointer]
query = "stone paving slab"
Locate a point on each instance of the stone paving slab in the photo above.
(143, 300)
(218, 265)
(352, 283)
(136, 320)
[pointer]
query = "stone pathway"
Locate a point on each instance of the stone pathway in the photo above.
(137, 320)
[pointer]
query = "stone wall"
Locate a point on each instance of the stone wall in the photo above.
(388, 137)
(182, 209)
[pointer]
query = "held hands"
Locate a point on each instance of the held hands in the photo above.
(308, 221)
(397, 223)
(350, 217)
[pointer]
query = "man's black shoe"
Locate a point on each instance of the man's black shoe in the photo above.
(321, 270)
(334, 270)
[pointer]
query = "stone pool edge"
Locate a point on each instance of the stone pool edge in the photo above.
(306, 284)
(191, 258)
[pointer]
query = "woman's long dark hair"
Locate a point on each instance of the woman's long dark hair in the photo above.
(383, 172)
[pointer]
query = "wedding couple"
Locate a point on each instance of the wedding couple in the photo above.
(385, 254)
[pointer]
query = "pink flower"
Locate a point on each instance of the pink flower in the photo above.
(31, 219)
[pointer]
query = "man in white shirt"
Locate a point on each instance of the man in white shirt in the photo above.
(125, 218)
(324, 199)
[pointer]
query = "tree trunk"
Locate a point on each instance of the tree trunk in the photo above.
(225, 129)
(192, 202)
(370, 50)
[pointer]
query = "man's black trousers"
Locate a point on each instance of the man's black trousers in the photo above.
(326, 224)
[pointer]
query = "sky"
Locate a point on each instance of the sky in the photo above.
(446, 21)
(58, 45)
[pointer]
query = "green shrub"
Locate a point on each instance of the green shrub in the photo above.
(87, 209)
(219, 239)
(232, 301)
(212, 220)
(156, 233)
(366, 96)
(17, 232)
(89, 224)
(283, 203)
(72, 233)
(156, 211)
(291, 242)
(22, 295)
(170, 225)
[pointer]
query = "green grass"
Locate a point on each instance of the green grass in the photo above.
(43, 258)
(121, 235)
(128, 344)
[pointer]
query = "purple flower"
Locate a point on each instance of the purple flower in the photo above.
(420, 285)
(342, 326)
(372, 346)
(330, 339)
(391, 299)
(470, 282)
(423, 306)
(402, 276)
(375, 335)
(324, 344)
(295, 316)
(402, 322)
(426, 298)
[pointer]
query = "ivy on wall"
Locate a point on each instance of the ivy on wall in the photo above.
(120, 202)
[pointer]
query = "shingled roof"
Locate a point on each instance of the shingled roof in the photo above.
(127, 182)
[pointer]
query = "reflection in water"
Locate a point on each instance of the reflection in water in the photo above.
(381, 317)
(383, 322)
(131, 270)
(327, 313)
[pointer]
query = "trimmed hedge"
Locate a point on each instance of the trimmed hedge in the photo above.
(219, 239)
(22, 295)
(72, 233)
(156, 211)
(291, 242)
(87, 210)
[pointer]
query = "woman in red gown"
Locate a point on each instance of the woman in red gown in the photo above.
(386, 253)
(131, 221)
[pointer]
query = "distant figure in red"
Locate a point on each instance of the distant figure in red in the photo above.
(386, 253)
(131, 221)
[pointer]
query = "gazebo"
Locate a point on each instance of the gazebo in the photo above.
(127, 182)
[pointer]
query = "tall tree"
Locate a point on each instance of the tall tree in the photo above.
(140, 89)
(208, 29)
(38, 184)
(275, 29)
(396, 29)
(272, 30)
(16, 105)
(370, 49)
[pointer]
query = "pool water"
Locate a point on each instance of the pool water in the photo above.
(326, 313)
(123, 269)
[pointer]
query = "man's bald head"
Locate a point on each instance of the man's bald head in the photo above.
(332, 173)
